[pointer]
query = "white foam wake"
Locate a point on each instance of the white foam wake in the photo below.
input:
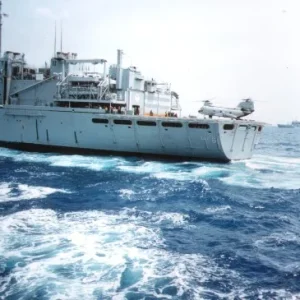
(95, 163)
(17, 192)
(261, 171)
(266, 172)
(87, 255)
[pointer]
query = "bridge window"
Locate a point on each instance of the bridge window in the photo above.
(99, 121)
(228, 127)
(123, 122)
(171, 124)
(259, 128)
(146, 123)
(198, 125)
(243, 127)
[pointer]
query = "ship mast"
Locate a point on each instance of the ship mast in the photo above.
(1, 15)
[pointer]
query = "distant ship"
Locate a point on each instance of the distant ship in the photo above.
(285, 125)
(55, 108)
(293, 124)
(296, 123)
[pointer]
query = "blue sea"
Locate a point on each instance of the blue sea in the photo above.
(113, 227)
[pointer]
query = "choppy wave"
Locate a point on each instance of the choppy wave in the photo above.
(94, 254)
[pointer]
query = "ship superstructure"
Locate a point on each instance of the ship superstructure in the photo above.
(118, 89)
(71, 105)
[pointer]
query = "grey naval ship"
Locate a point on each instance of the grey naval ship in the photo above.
(60, 107)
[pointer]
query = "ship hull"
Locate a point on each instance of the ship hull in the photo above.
(285, 126)
(87, 131)
(85, 151)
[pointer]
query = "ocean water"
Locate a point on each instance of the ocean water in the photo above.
(101, 227)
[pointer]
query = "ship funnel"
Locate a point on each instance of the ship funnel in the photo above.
(7, 79)
(119, 71)
(120, 58)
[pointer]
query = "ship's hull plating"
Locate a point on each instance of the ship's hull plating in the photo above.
(64, 129)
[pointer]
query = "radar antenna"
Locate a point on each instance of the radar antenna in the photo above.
(61, 36)
(1, 15)
(54, 39)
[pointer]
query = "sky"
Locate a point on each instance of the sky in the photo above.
(226, 50)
